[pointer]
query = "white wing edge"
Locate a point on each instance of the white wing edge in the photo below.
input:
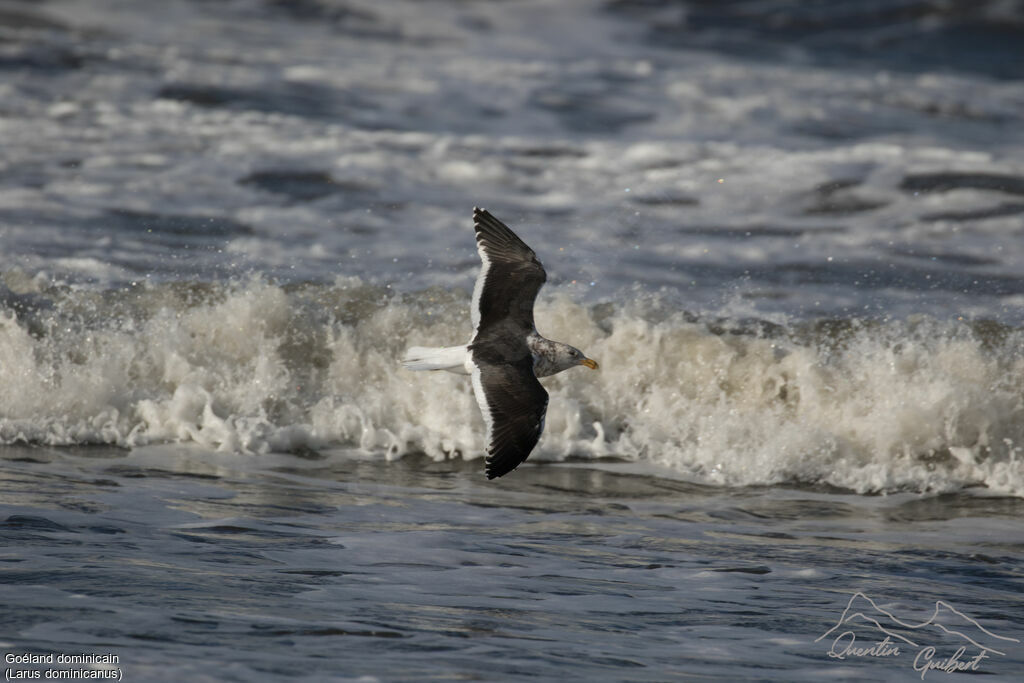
(481, 400)
(478, 289)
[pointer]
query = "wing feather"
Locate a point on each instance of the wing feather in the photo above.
(509, 280)
(513, 403)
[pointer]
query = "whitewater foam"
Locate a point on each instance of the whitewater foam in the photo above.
(253, 366)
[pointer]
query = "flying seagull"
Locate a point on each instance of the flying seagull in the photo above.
(506, 355)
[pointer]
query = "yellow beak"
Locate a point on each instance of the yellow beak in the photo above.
(592, 364)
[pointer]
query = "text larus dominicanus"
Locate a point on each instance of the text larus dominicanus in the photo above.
(506, 355)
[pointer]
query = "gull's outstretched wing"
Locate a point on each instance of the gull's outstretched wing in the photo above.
(513, 404)
(509, 280)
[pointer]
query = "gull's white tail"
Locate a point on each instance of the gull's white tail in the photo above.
(450, 358)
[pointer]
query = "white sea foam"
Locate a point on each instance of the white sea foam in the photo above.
(254, 367)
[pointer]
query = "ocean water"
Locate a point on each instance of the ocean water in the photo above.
(791, 233)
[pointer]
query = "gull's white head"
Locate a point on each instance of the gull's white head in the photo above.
(554, 357)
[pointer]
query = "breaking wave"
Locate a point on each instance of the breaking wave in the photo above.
(254, 366)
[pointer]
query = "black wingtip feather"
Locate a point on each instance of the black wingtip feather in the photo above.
(498, 240)
(494, 469)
